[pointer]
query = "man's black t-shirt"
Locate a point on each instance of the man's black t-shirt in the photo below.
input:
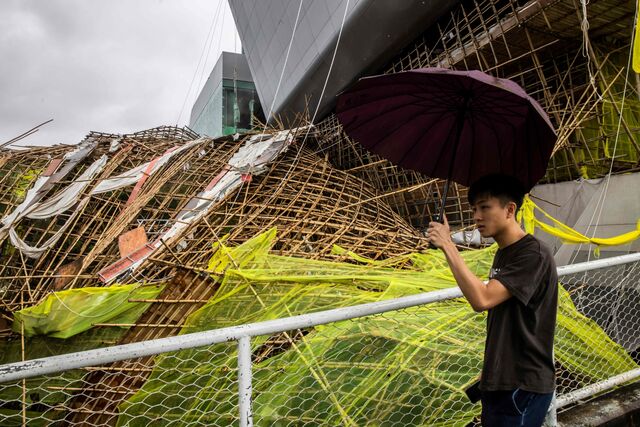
(519, 347)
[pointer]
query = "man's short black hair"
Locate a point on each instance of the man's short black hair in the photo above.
(503, 187)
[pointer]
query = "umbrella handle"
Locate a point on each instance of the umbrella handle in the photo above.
(439, 217)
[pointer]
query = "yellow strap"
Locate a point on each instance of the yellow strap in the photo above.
(567, 234)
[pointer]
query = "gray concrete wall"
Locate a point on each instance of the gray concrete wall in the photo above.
(265, 28)
(373, 32)
(594, 209)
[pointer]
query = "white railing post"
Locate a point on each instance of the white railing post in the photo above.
(244, 381)
(551, 420)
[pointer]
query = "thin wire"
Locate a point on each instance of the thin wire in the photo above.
(195, 72)
(324, 86)
(603, 195)
(206, 59)
(284, 66)
(296, 159)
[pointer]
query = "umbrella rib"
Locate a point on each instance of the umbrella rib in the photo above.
(489, 125)
(473, 147)
(485, 104)
(540, 147)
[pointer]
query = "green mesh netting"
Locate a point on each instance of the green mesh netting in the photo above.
(67, 313)
(408, 367)
(605, 131)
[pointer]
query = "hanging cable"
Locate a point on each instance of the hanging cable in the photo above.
(204, 68)
(294, 163)
(603, 195)
(284, 66)
(204, 48)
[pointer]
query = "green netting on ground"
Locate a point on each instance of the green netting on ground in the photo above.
(67, 313)
(62, 324)
(406, 367)
(50, 391)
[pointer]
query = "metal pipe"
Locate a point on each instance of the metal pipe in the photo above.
(49, 365)
(599, 263)
(244, 382)
(588, 391)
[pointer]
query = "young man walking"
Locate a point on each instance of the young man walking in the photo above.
(518, 375)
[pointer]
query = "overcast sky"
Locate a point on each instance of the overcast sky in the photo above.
(106, 65)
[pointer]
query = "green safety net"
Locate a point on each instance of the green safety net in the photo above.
(46, 391)
(24, 182)
(67, 313)
(407, 367)
(63, 323)
(605, 133)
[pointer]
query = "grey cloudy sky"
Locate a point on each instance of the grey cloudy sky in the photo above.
(106, 65)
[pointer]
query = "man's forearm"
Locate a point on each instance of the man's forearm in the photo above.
(471, 286)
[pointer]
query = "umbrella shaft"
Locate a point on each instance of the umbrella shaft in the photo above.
(440, 217)
(458, 127)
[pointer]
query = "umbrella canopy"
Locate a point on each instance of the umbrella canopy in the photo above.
(454, 125)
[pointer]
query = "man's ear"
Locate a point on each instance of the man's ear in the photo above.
(511, 209)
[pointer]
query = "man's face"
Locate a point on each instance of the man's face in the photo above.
(490, 216)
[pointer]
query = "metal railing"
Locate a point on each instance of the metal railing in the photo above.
(243, 334)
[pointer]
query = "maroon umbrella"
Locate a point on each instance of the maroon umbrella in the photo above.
(454, 125)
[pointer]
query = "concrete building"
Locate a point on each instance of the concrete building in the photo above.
(228, 99)
(373, 32)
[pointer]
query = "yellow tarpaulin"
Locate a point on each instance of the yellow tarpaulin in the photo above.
(67, 313)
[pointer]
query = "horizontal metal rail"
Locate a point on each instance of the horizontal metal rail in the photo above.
(593, 389)
(49, 365)
(82, 359)
(598, 263)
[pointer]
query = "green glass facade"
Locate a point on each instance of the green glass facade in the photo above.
(229, 109)
(239, 104)
(228, 101)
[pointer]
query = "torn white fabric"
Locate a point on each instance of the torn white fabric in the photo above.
(71, 159)
(253, 157)
(67, 197)
(43, 183)
(114, 145)
(28, 199)
(132, 176)
(36, 252)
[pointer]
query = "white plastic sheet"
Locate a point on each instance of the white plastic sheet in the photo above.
(65, 199)
(68, 197)
(35, 252)
(253, 157)
(132, 176)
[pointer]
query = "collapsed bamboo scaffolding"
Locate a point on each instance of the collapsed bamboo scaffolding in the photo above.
(375, 209)
(291, 196)
(574, 64)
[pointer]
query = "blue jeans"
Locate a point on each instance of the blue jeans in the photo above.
(512, 408)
